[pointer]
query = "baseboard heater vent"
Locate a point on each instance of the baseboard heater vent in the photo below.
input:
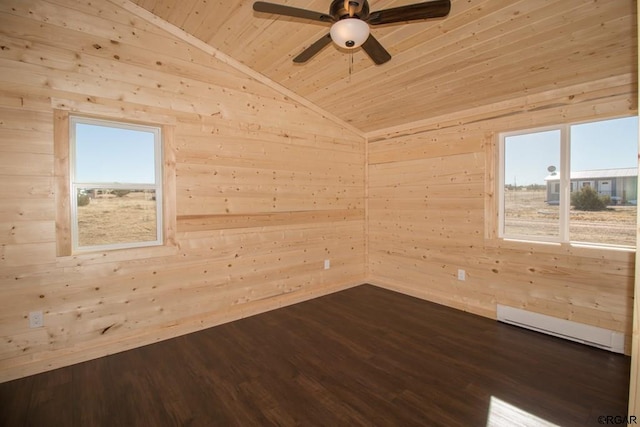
(574, 331)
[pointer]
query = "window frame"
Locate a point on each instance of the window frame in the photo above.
(563, 237)
(75, 185)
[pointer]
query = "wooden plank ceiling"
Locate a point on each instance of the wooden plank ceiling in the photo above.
(485, 51)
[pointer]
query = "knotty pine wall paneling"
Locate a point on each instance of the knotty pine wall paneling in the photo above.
(432, 212)
(265, 190)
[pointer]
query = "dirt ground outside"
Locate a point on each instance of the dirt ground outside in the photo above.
(527, 213)
(109, 219)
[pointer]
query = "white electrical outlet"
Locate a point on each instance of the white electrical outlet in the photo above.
(36, 319)
(462, 275)
(327, 264)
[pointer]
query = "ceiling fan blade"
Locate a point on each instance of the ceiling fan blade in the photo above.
(279, 9)
(411, 12)
(375, 50)
(316, 47)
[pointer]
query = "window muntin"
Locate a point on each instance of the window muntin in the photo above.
(116, 184)
(536, 199)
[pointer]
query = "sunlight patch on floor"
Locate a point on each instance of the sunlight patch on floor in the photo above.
(503, 414)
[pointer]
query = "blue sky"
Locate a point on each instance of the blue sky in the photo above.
(598, 145)
(106, 154)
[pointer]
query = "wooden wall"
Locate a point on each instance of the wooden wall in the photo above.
(265, 190)
(432, 212)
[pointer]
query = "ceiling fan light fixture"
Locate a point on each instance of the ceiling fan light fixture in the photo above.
(349, 33)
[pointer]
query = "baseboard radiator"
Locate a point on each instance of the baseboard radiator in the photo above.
(574, 331)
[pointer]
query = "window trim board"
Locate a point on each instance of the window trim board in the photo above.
(62, 175)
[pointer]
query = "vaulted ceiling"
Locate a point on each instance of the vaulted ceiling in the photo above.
(485, 51)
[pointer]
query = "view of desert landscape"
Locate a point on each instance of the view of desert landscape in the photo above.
(528, 214)
(111, 219)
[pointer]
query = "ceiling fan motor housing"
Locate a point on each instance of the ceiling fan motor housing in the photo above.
(338, 11)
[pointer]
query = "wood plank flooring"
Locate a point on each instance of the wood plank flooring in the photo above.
(364, 356)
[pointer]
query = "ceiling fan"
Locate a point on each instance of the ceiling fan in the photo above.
(350, 23)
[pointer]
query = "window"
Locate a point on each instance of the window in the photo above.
(595, 203)
(115, 184)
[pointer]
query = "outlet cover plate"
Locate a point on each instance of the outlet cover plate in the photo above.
(36, 319)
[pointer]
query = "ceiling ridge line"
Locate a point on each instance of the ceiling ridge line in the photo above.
(153, 19)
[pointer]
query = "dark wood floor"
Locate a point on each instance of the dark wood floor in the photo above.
(364, 356)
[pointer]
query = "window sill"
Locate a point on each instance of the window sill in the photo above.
(115, 255)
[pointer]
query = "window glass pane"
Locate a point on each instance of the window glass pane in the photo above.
(531, 161)
(108, 216)
(116, 186)
(107, 154)
(604, 177)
